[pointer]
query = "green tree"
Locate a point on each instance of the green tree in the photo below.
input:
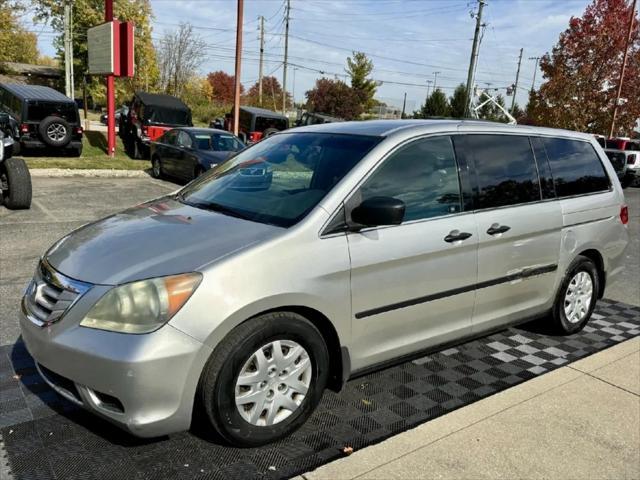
(490, 111)
(458, 101)
(436, 105)
(359, 67)
(89, 13)
(16, 44)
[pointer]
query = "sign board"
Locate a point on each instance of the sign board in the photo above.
(101, 43)
(127, 58)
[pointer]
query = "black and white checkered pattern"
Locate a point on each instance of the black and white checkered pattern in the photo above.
(47, 437)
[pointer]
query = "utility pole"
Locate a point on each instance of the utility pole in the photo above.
(261, 55)
(68, 51)
(515, 85)
(622, 69)
(435, 79)
(236, 95)
(293, 90)
(286, 54)
(428, 87)
(535, 70)
(474, 55)
(404, 104)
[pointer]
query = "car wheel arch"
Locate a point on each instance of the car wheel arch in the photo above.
(596, 257)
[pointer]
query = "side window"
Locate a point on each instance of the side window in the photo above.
(544, 170)
(505, 170)
(184, 140)
(170, 137)
(424, 175)
(575, 166)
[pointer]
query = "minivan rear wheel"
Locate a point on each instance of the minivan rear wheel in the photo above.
(577, 296)
(264, 379)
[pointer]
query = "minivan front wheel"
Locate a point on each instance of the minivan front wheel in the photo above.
(264, 379)
(577, 296)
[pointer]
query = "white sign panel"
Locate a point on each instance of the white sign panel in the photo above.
(100, 46)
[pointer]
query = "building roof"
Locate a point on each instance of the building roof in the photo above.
(161, 100)
(36, 92)
(33, 70)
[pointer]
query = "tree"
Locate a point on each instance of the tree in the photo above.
(458, 101)
(359, 67)
(334, 97)
(582, 72)
(16, 44)
(271, 94)
(89, 13)
(181, 53)
(490, 110)
(436, 105)
(223, 87)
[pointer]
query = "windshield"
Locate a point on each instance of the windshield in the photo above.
(219, 142)
(280, 179)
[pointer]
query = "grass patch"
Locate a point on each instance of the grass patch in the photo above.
(94, 147)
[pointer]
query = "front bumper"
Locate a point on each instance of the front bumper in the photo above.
(144, 384)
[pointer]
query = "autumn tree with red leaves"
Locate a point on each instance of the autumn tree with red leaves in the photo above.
(271, 94)
(222, 85)
(583, 70)
(334, 97)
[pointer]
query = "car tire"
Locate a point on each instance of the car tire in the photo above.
(137, 149)
(156, 168)
(199, 170)
(55, 131)
(577, 296)
(305, 362)
(18, 179)
(270, 131)
(626, 182)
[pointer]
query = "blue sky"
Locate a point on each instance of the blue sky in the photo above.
(408, 40)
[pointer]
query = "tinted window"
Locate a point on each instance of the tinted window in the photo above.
(280, 179)
(184, 140)
(505, 170)
(38, 111)
(170, 138)
(424, 175)
(263, 123)
(544, 170)
(220, 142)
(575, 166)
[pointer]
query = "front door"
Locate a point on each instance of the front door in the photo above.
(519, 228)
(406, 280)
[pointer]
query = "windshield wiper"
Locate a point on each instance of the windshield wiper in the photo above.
(216, 207)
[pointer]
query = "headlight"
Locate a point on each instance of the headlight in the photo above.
(144, 306)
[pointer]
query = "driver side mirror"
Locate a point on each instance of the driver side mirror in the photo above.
(378, 211)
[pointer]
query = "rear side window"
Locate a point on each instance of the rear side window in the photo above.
(505, 170)
(424, 175)
(38, 111)
(544, 170)
(576, 167)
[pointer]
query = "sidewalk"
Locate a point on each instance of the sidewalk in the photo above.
(578, 422)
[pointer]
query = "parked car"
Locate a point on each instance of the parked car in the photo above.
(119, 112)
(186, 153)
(314, 118)
(258, 123)
(150, 115)
(45, 117)
(626, 164)
(15, 179)
(375, 242)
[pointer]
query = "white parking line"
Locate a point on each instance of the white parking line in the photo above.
(39, 204)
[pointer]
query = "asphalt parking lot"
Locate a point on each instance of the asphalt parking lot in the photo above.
(61, 205)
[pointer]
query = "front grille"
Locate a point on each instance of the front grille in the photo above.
(50, 294)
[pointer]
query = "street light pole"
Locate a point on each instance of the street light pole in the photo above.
(429, 82)
(435, 80)
(622, 69)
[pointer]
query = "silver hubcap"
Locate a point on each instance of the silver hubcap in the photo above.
(156, 167)
(273, 383)
(577, 299)
(56, 131)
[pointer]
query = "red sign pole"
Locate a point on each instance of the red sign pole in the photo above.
(111, 101)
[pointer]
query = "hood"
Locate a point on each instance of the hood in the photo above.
(211, 157)
(162, 237)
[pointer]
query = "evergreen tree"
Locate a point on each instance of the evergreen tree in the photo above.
(436, 105)
(458, 101)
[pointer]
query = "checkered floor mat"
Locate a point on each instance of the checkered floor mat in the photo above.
(47, 437)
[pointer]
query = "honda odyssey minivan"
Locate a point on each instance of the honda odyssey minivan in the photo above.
(362, 244)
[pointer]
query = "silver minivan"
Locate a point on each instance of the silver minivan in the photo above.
(316, 255)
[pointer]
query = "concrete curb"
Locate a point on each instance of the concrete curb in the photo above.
(88, 173)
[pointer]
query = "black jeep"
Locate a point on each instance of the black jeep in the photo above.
(45, 118)
(148, 117)
(15, 180)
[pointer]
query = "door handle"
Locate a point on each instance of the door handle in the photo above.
(456, 235)
(497, 228)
